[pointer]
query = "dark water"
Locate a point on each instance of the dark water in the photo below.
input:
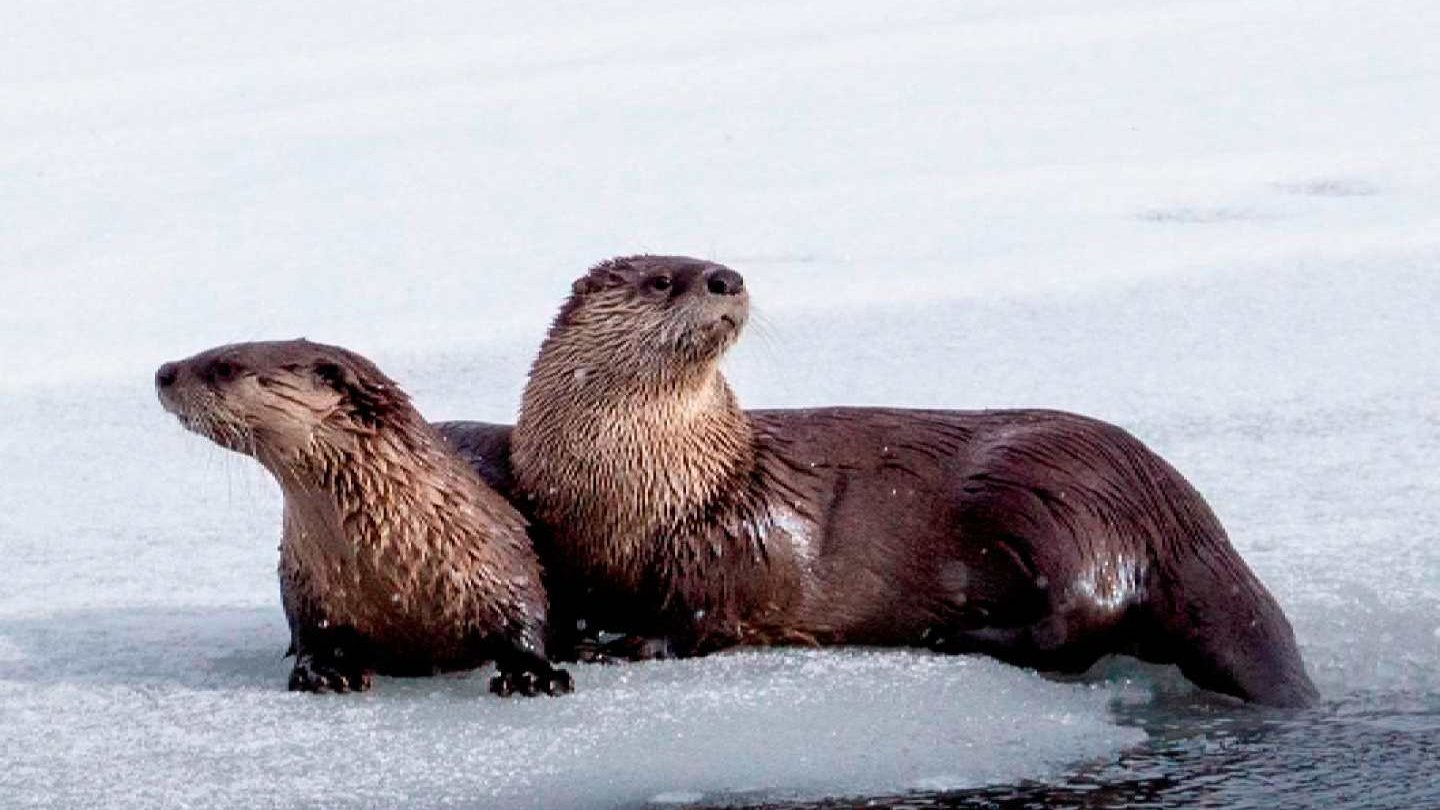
(1358, 753)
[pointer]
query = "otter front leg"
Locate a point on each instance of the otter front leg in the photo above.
(329, 660)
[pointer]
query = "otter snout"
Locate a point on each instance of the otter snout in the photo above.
(169, 388)
(175, 384)
(722, 297)
(724, 281)
(166, 375)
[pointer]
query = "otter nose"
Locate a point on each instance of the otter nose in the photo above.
(724, 281)
(167, 375)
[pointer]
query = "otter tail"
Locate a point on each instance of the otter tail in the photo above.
(1224, 630)
(1141, 563)
(1208, 611)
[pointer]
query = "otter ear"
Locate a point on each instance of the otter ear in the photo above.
(609, 273)
(370, 395)
(596, 280)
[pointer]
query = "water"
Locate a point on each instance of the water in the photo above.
(1356, 753)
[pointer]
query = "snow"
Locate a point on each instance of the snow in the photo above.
(1213, 223)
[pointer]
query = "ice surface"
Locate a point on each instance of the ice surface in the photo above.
(140, 665)
(185, 708)
(1211, 222)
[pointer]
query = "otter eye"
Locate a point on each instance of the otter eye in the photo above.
(658, 284)
(223, 371)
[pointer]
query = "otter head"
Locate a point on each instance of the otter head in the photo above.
(652, 316)
(280, 402)
(627, 426)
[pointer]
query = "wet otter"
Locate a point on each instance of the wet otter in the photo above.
(1043, 538)
(396, 558)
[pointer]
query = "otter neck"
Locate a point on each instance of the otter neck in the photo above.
(627, 461)
(373, 493)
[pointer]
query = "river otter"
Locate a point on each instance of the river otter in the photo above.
(396, 559)
(1043, 538)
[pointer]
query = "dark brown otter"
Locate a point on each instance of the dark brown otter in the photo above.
(396, 558)
(1043, 538)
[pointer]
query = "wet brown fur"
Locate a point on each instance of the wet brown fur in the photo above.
(1043, 538)
(396, 558)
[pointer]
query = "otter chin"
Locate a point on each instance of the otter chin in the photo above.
(396, 559)
(1043, 538)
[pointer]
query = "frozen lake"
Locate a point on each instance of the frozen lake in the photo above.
(1214, 224)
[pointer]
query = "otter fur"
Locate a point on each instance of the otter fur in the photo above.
(396, 559)
(1043, 538)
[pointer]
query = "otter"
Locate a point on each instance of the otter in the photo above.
(1043, 538)
(395, 559)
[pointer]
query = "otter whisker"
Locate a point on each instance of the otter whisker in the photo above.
(764, 335)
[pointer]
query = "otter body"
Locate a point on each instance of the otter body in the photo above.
(396, 559)
(1043, 538)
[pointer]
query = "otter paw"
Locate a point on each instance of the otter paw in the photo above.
(558, 682)
(623, 648)
(589, 652)
(530, 684)
(310, 675)
(639, 648)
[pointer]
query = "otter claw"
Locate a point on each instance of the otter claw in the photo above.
(312, 676)
(530, 684)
